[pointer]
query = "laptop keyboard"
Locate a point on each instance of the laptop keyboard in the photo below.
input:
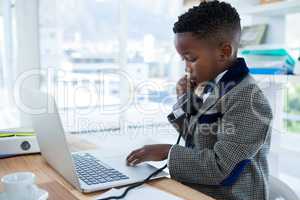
(92, 171)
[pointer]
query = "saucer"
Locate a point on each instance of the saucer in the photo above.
(41, 195)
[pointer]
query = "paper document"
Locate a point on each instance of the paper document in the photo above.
(144, 192)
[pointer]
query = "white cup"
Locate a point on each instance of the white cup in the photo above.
(19, 186)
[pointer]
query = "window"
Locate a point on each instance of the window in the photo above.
(1, 54)
(292, 103)
(152, 55)
(292, 108)
(82, 51)
(9, 115)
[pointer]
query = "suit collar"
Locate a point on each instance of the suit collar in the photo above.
(232, 77)
(235, 74)
(219, 77)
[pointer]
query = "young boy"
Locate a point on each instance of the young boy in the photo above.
(227, 135)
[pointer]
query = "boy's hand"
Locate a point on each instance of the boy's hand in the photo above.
(157, 152)
(183, 85)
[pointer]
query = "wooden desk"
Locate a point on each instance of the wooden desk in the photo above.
(59, 189)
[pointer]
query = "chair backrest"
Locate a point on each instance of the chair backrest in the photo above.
(281, 191)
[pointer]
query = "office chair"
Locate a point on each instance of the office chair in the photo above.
(281, 191)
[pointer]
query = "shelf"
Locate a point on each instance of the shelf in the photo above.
(283, 79)
(273, 9)
(270, 46)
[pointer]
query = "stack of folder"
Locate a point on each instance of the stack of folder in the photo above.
(20, 141)
(20, 132)
(269, 61)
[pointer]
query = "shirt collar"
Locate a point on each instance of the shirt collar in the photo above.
(218, 78)
(200, 89)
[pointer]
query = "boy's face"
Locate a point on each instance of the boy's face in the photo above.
(201, 57)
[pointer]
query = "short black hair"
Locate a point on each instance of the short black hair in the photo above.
(210, 19)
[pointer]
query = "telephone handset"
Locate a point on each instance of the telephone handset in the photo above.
(187, 105)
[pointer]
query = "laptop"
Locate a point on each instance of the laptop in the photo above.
(88, 171)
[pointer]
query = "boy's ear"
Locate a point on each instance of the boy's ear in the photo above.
(225, 51)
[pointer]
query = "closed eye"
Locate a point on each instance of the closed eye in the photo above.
(191, 59)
